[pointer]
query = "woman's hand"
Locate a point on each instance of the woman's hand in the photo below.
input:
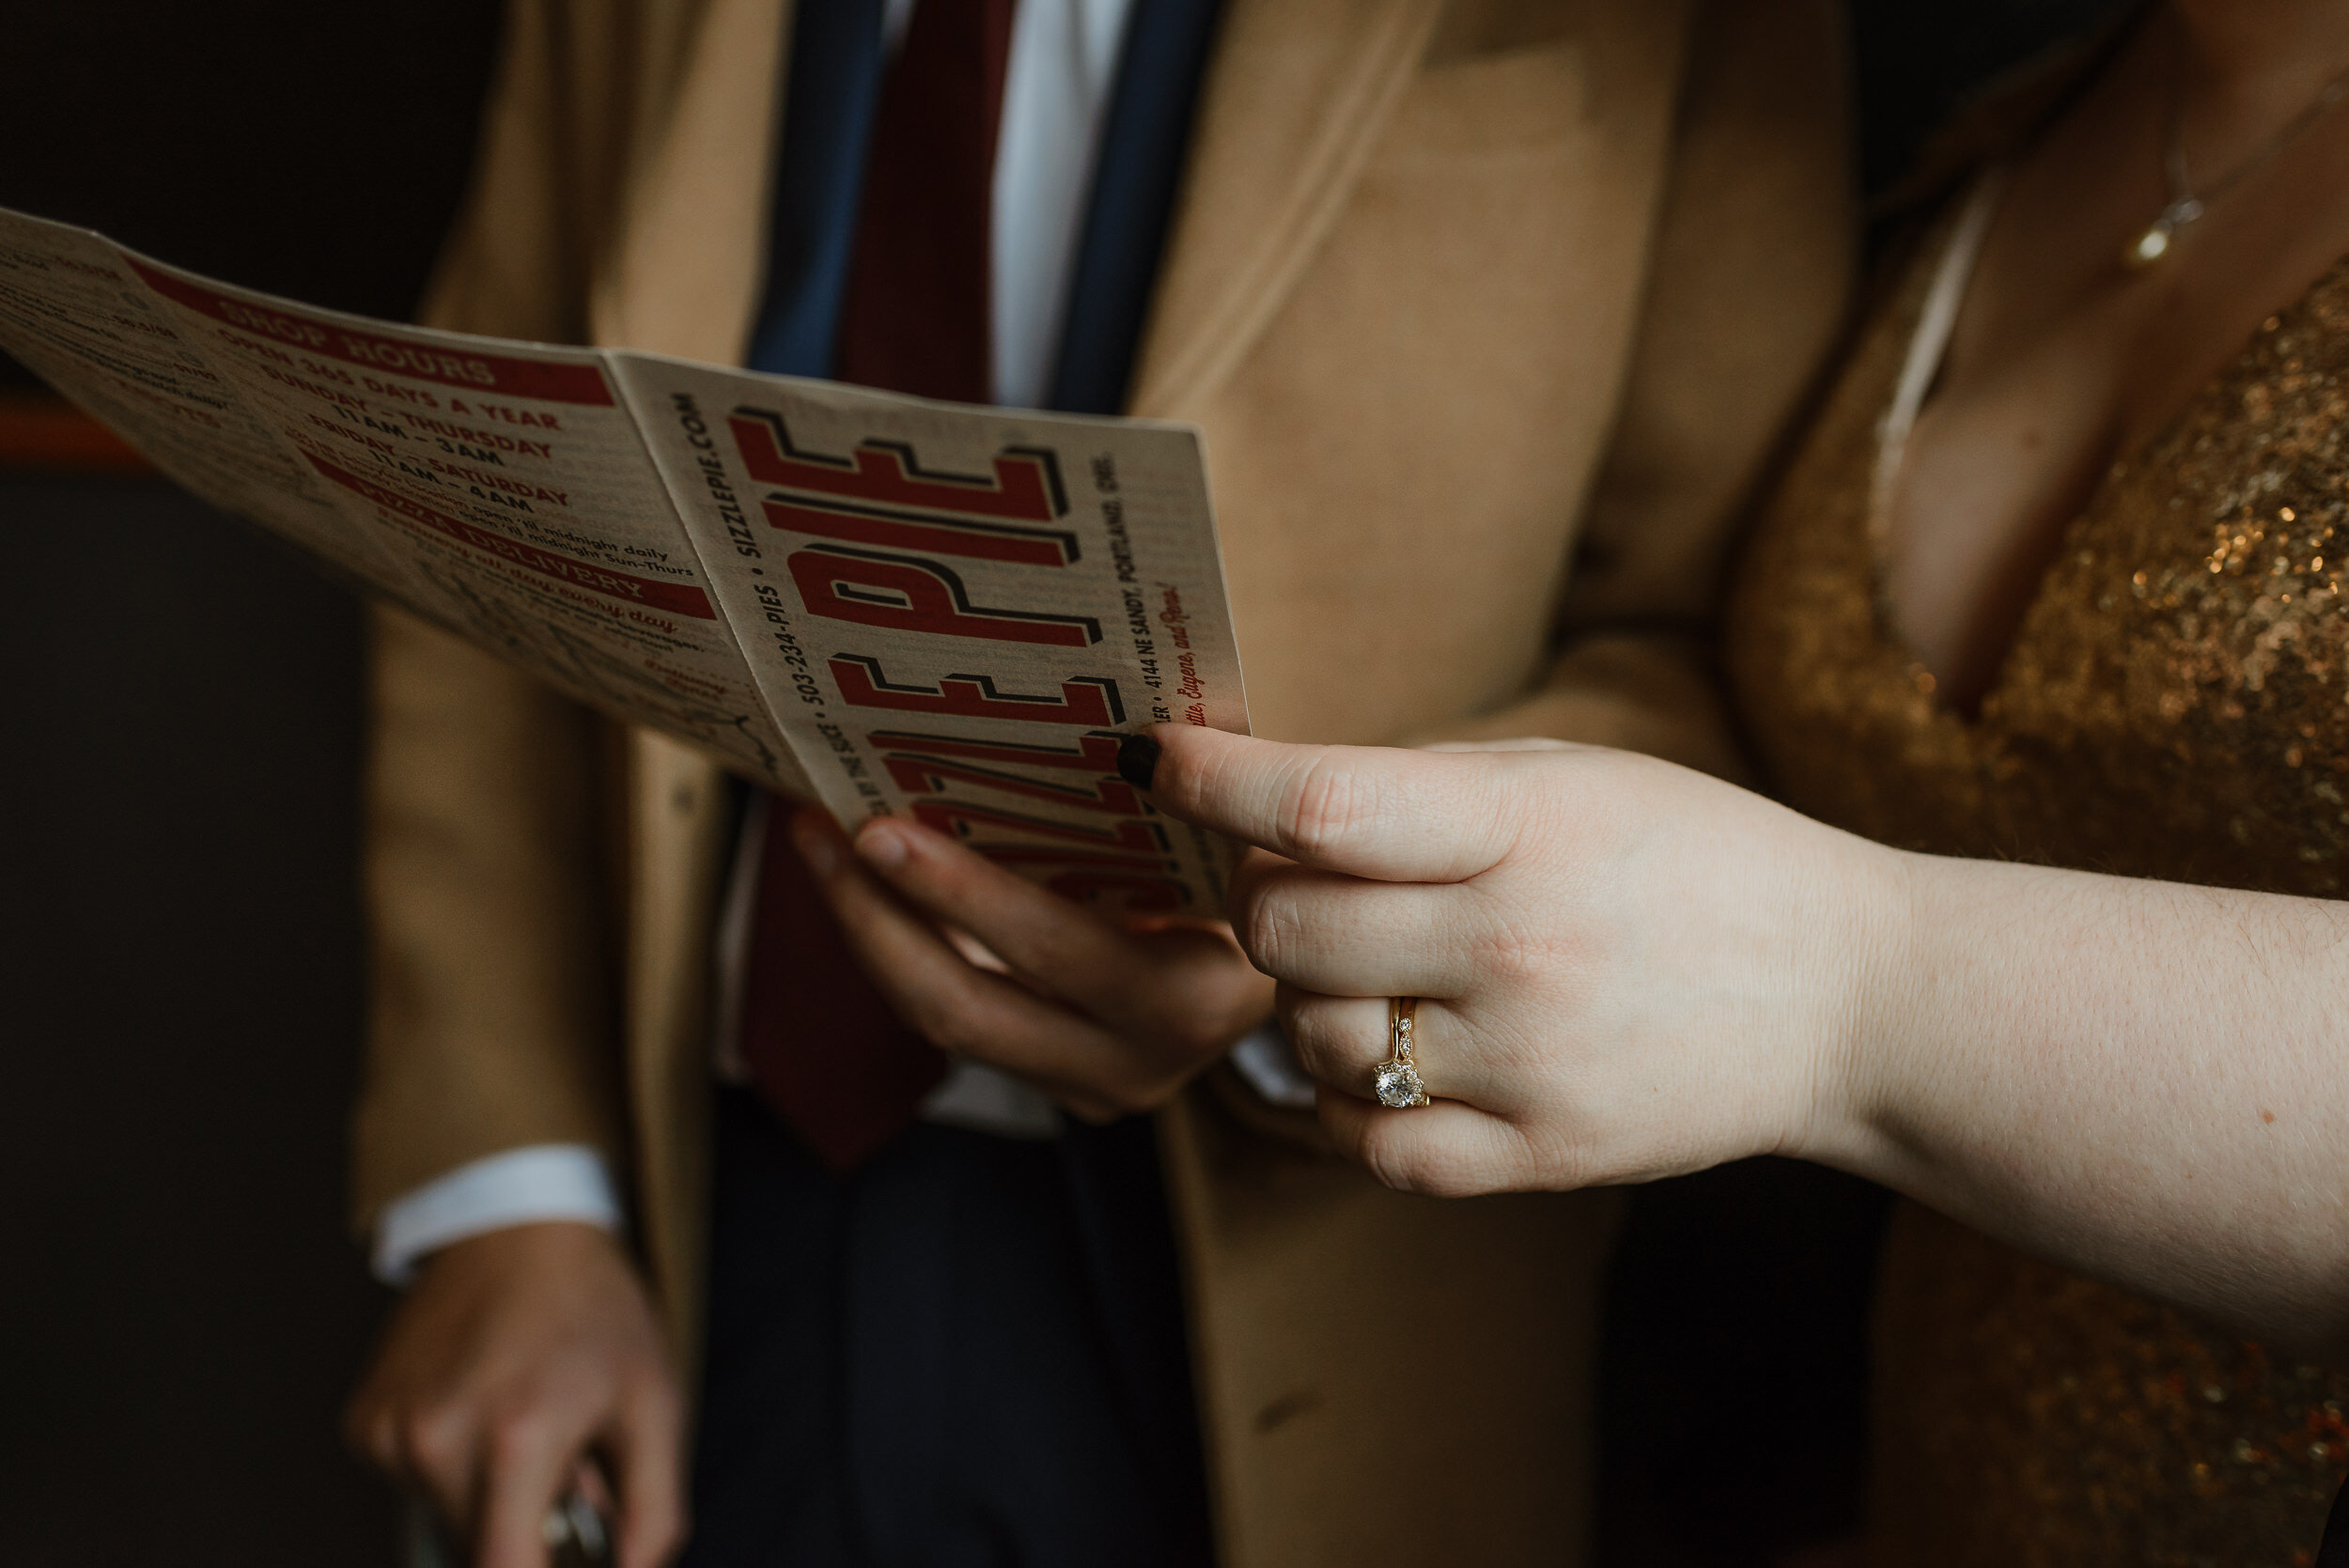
(1107, 1016)
(1627, 969)
(1632, 969)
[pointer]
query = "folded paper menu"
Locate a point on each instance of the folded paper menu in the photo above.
(886, 604)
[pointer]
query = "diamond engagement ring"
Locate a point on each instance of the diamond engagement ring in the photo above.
(1395, 1080)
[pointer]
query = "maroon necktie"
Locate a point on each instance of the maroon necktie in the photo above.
(823, 1047)
(915, 317)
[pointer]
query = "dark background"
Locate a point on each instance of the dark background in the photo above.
(181, 1309)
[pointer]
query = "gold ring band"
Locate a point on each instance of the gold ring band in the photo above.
(1395, 1080)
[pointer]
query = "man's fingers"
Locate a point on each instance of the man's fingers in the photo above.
(440, 1454)
(1067, 949)
(371, 1428)
(961, 1010)
(645, 1446)
(528, 1458)
(1349, 935)
(1394, 815)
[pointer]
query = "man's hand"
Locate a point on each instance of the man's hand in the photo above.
(1109, 1017)
(516, 1358)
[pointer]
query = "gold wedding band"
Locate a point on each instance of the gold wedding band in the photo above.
(1396, 1079)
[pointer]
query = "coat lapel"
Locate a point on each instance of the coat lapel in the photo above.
(684, 272)
(682, 276)
(1291, 109)
(673, 862)
(1293, 104)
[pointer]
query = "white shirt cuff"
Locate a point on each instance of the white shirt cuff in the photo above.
(1265, 1059)
(987, 1099)
(521, 1186)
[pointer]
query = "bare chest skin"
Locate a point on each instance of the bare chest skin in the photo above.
(2065, 361)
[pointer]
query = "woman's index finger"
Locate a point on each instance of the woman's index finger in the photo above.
(1377, 812)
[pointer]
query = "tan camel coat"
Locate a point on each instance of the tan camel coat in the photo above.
(1463, 294)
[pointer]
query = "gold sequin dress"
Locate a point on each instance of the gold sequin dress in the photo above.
(2175, 705)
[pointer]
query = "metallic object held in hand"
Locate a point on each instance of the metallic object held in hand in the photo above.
(575, 1533)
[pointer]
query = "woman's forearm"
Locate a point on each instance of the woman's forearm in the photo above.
(1627, 971)
(2146, 1080)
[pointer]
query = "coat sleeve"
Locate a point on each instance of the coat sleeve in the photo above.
(1751, 267)
(490, 1020)
(489, 1017)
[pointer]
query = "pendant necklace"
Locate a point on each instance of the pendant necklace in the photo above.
(2186, 204)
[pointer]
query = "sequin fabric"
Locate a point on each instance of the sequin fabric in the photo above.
(2176, 706)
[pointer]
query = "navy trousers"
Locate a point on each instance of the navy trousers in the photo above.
(968, 1354)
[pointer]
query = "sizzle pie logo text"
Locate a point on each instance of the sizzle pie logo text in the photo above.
(889, 543)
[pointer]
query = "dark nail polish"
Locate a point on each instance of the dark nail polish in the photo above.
(1137, 760)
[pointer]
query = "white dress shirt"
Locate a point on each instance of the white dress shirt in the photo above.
(1058, 82)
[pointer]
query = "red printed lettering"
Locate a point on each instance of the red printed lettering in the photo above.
(957, 818)
(1095, 754)
(873, 525)
(1025, 484)
(920, 775)
(1090, 700)
(909, 594)
(424, 360)
(680, 599)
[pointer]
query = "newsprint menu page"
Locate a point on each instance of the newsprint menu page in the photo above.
(887, 605)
